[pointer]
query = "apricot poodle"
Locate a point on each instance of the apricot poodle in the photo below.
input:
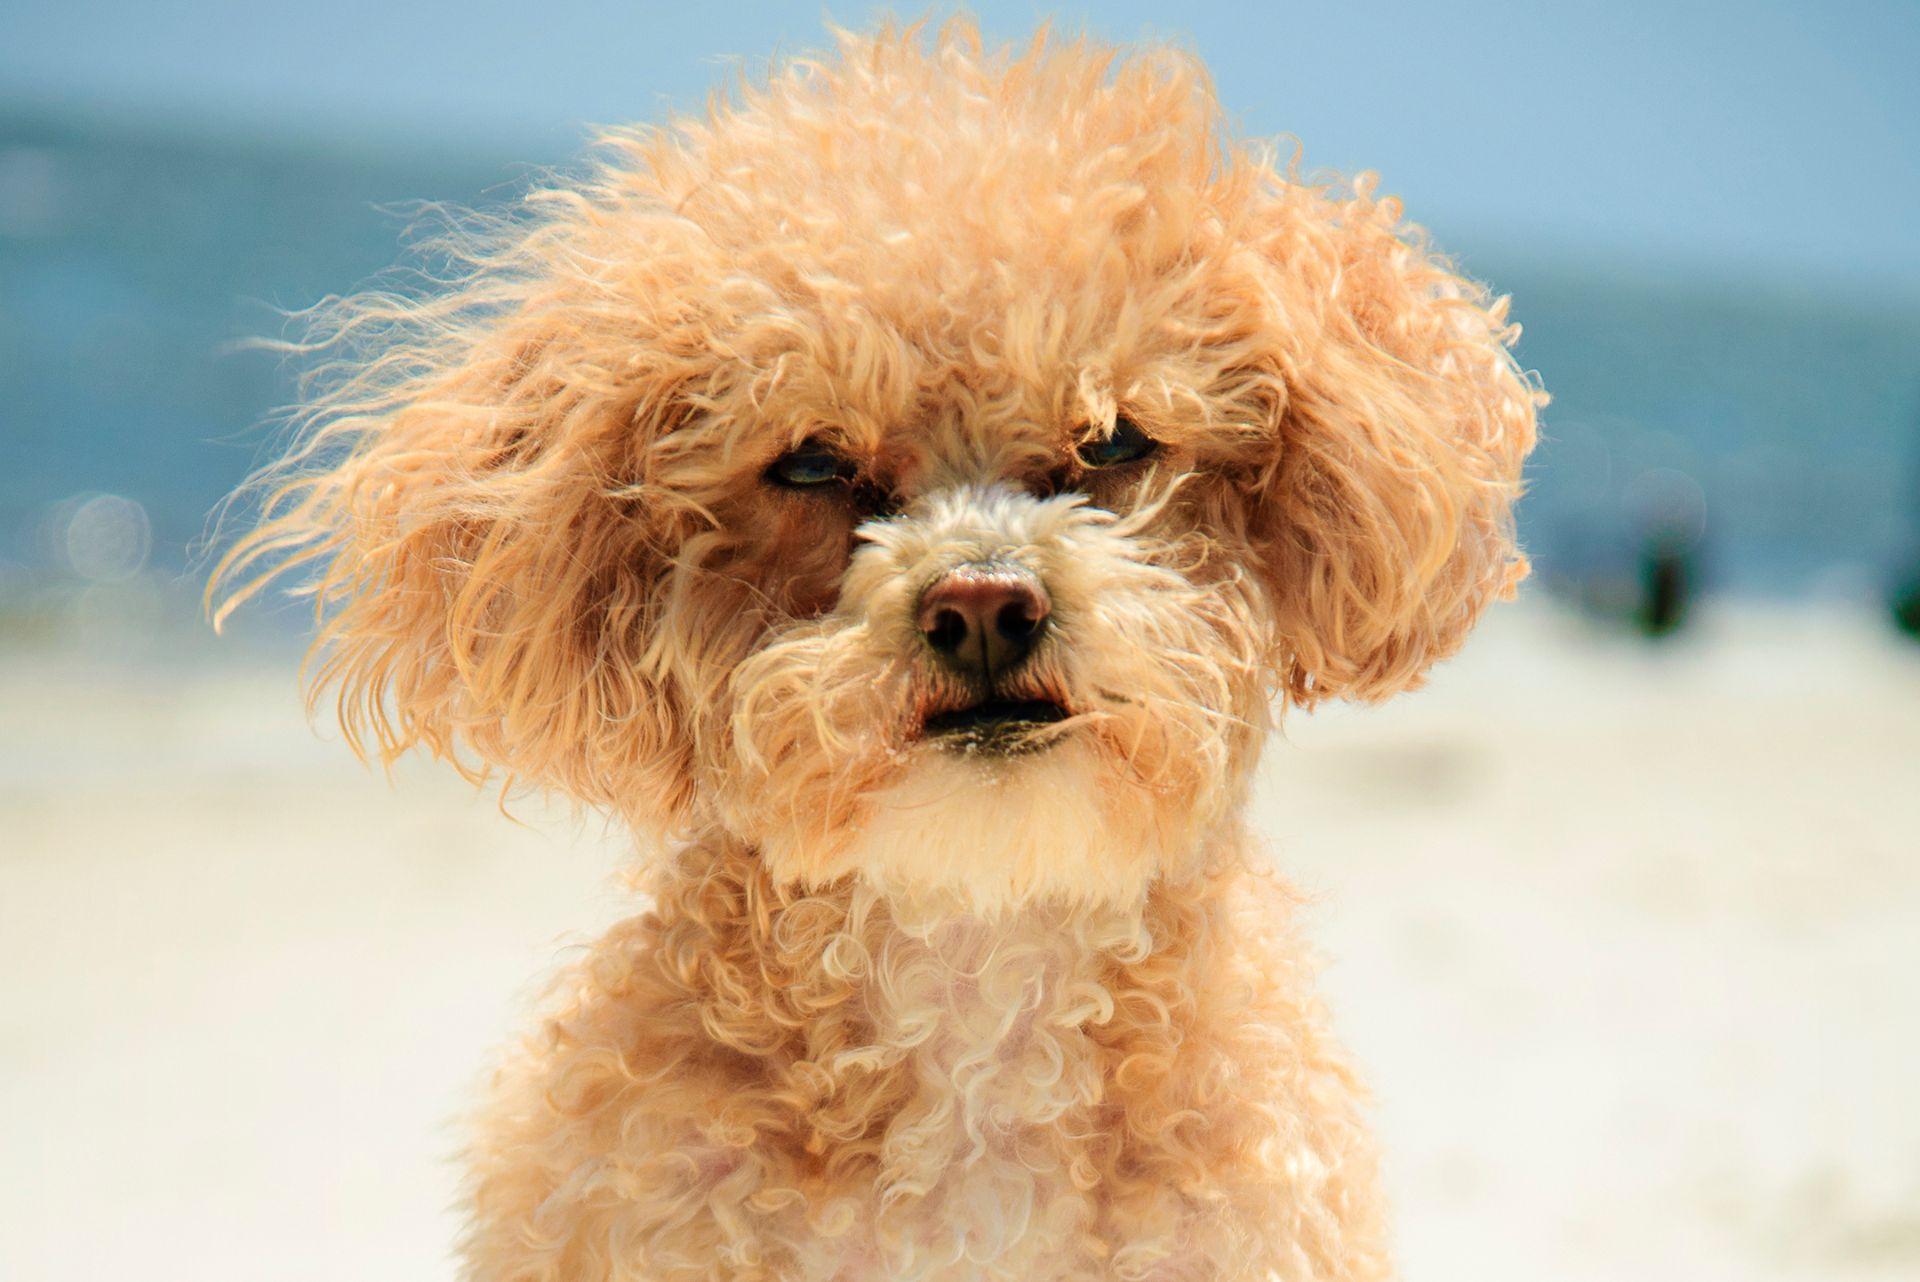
(906, 496)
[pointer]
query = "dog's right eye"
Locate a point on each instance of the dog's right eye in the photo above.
(810, 467)
(1125, 444)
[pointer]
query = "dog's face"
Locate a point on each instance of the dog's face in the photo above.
(929, 469)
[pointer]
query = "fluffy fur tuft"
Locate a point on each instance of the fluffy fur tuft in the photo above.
(903, 1006)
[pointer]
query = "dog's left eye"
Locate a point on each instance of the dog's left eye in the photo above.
(808, 467)
(1126, 445)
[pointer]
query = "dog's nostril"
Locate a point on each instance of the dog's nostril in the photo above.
(1018, 622)
(949, 631)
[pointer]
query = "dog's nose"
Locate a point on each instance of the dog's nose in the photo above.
(984, 618)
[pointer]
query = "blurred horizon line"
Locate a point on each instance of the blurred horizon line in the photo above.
(1767, 419)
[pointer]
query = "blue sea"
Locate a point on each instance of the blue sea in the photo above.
(1778, 430)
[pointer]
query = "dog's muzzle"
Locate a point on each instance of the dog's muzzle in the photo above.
(982, 621)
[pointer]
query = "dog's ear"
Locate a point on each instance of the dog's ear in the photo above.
(1383, 514)
(472, 504)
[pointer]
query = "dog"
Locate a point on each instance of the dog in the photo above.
(906, 496)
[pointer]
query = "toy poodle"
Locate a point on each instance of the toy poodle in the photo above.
(906, 495)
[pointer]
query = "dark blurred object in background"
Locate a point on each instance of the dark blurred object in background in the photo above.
(1669, 511)
(1667, 577)
(1906, 606)
(1905, 598)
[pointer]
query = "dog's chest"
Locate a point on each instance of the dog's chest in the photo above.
(982, 1173)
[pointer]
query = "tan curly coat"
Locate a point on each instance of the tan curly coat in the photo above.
(896, 1010)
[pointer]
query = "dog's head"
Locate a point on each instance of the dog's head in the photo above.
(929, 467)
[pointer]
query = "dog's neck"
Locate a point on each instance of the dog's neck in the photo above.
(868, 979)
(971, 997)
(955, 1060)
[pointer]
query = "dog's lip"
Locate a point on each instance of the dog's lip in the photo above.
(995, 714)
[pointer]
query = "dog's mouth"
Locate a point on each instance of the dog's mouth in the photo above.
(996, 725)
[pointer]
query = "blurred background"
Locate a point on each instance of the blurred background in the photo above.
(1624, 910)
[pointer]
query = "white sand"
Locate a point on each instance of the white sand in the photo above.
(1629, 943)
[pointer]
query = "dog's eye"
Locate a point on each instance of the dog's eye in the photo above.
(1127, 444)
(808, 467)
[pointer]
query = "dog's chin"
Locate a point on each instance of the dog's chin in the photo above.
(993, 815)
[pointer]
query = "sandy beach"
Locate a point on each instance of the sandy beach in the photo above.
(1628, 942)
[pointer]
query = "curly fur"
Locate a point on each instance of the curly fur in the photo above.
(897, 1011)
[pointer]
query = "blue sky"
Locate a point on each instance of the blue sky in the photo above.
(1758, 139)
